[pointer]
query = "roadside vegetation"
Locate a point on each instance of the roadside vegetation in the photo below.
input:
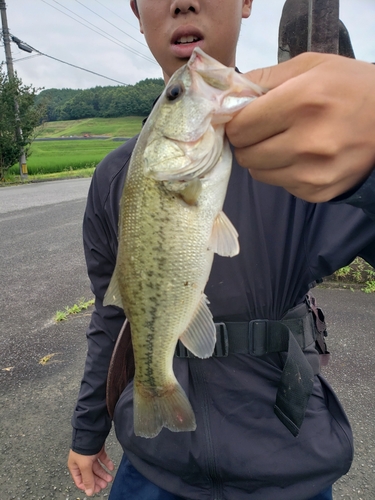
(82, 305)
(17, 111)
(356, 275)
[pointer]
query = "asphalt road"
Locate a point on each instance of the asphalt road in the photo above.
(41, 271)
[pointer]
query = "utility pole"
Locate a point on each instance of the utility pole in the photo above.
(9, 63)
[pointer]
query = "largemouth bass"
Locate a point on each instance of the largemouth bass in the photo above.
(171, 223)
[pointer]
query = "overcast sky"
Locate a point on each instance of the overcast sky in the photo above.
(113, 48)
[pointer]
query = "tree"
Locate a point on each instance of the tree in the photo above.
(101, 102)
(52, 99)
(27, 118)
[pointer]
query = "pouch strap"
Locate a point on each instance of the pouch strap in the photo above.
(262, 337)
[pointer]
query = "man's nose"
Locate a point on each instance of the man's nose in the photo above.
(184, 7)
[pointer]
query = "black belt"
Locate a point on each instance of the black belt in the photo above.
(262, 337)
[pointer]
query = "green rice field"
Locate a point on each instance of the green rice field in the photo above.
(59, 156)
(63, 156)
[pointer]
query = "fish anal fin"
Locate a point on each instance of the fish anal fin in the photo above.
(224, 237)
(200, 335)
(112, 295)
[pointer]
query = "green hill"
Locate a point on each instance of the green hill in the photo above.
(126, 126)
(101, 102)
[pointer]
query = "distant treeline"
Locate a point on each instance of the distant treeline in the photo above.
(101, 102)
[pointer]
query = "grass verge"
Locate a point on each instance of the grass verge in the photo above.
(358, 274)
(82, 305)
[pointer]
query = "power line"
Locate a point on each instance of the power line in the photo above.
(97, 27)
(106, 20)
(121, 44)
(113, 12)
(65, 62)
(84, 69)
(27, 57)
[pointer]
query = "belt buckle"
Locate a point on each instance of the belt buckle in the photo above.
(182, 352)
(258, 337)
(221, 349)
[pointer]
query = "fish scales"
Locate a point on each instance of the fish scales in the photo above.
(150, 306)
(171, 223)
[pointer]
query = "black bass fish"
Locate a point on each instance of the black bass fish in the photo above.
(171, 224)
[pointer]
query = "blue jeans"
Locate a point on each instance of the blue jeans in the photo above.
(129, 484)
(324, 495)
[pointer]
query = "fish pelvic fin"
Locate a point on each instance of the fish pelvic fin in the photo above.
(224, 237)
(112, 295)
(167, 407)
(200, 335)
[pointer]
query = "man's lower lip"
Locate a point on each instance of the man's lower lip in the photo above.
(184, 50)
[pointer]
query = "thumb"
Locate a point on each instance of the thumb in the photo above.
(274, 76)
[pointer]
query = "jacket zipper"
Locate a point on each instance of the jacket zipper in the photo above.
(211, 465)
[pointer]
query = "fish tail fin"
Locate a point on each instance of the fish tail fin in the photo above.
(170, 408)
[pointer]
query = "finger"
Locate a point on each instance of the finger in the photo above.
(275, 112)
(312, 179)
(262, 156)
(100, 472)
(76, 475)
(298, 101)
(100, 484)
(258, 121)
(274, 76)
(88, 479)
(106, 461)
(297, 170)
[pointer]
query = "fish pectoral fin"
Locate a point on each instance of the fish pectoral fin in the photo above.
(200, 335)
(188, 191)
(192, 191)
(112, 296)
(224, 237)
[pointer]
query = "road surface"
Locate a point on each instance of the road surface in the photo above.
(42, 270)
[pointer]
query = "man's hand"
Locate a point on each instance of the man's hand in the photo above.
(88, 472)
(313, 133)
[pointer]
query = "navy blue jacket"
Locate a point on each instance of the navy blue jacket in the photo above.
(240, 449)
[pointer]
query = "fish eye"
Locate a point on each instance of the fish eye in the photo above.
(174, 91)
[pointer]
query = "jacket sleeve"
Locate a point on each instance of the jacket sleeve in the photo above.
(341, 230)
(363, 197)
(91, 421)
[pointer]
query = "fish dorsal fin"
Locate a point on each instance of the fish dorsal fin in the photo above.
(224, 237)
(112, 295)
(200, 335)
